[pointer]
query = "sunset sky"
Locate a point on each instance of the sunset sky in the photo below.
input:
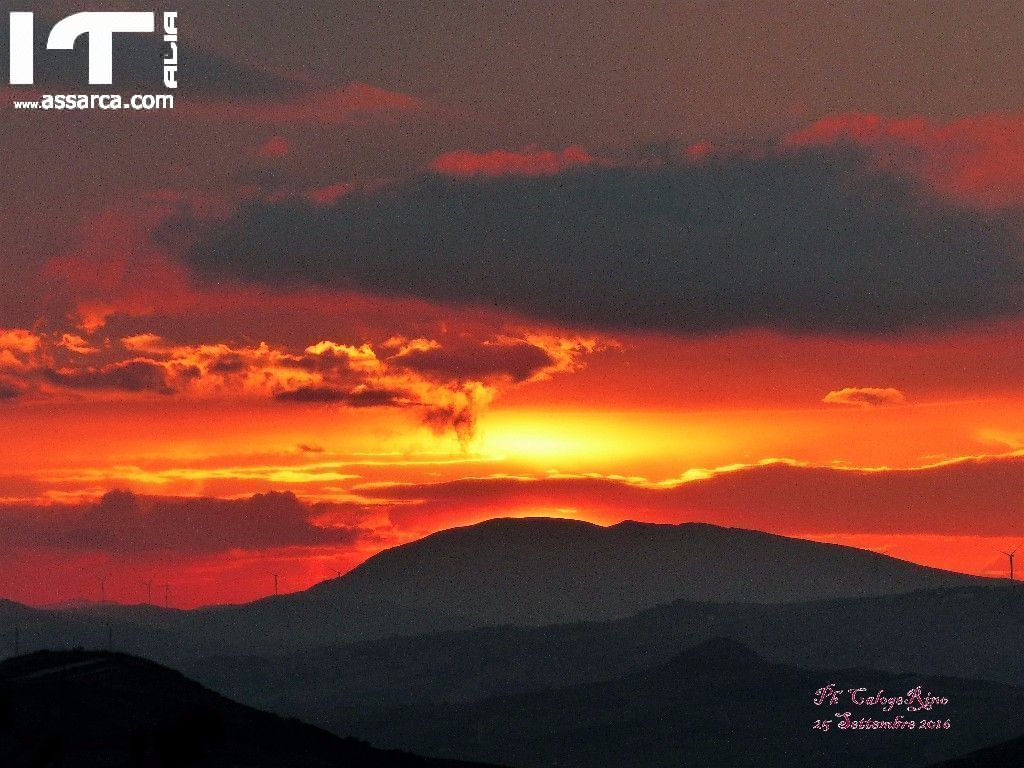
(382, 272)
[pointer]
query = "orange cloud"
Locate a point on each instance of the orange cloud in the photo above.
(18, 340)
(865, 397)
(17, 348)
(75, 343)
(969, 496)
(447, 381)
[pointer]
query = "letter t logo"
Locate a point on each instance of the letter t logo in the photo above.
(100, 27)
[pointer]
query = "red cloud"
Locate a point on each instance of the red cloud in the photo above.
(274, 147)
(10, 389)
(518, 361)
(355, 104)
(116, 268)
(527, 162)
(978, 159)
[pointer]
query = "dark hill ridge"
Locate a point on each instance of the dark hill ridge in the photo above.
(79, 709)
(547, 570)
(540, 571)
(717, 705)
(520, 572)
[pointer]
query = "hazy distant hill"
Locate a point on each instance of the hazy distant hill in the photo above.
(972, 632)
(84, 709)
(145, 630)
(716, 706)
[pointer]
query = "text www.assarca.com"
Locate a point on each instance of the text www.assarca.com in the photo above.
(106, 101)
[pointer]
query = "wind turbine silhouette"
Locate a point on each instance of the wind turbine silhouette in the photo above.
(275, 583)
(1010, 555)
(149, 591)
(103, 589)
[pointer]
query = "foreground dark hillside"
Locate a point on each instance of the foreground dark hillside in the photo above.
(717, 705)
(82, 709)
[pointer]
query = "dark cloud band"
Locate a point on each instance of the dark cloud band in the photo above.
(812, 240)
(121, 522)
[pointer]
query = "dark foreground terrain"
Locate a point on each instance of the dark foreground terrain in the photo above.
(83, 709)
(1009, 754)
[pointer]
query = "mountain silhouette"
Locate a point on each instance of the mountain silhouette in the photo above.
(80, 709)
(546, 570)
(717, 705)
(519, 572)
(538, 571)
